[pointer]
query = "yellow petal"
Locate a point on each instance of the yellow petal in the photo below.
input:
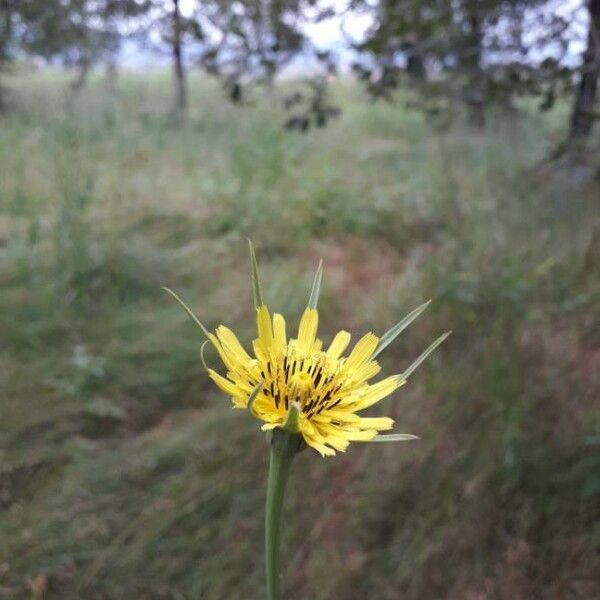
(306, 427)
(317, 345)
(333, 436)
(361, 436)
(379, 423)
(279, 331)
(230, 388)
(232, 345)
(227, 361)
(322, 449)
(378, 391)
(307, 330)
(362, 351)
(343, 416)
(264, 405)
(365, 372)
(338, 345)
(315, 440)
(263, 323)
(339, 443)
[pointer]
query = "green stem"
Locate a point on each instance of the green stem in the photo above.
(283, 448)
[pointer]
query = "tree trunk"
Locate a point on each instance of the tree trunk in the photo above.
(112, 72)
(83, 70)
(474, 96)
(5, 38)
(582, 117)
(178, 66)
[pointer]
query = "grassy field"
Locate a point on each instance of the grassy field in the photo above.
(125, 475)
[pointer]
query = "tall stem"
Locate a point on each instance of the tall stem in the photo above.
(283, 448)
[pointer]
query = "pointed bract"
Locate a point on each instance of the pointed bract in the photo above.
(202, 354)
(395, 437)
(316, 287)
(253, 395)
(391, 334)
(258, 299)
(293, 416)
(188, 310)
(424, 355)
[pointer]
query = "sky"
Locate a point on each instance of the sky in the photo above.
(328, 34)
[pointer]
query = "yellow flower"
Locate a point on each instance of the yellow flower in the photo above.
(328, 389)
(323, 389)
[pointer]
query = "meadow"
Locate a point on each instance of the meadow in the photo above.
(124, 473)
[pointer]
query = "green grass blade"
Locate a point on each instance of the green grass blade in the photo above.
(395, 437)
(391, 334)
(316, 287)
(258, 300)
(425, 354)
(188, 310)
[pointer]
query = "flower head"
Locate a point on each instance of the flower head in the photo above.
(324, 389)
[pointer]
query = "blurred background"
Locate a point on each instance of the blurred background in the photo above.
(443, 150)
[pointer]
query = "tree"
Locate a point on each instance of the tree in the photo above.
(583, 116)
(77, 33)
(249, 40)
(176, 33)
(467, 51)
(180, 76)
(459, 56)
(6, 39)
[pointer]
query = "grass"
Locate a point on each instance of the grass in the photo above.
(124, 474)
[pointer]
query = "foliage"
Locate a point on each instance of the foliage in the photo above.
(481, 53)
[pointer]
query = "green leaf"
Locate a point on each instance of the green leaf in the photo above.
(395, 437)
(316, 287)
(425, 354)
(254, 394)
(391, 334)
(188, 310)
(258, 301)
